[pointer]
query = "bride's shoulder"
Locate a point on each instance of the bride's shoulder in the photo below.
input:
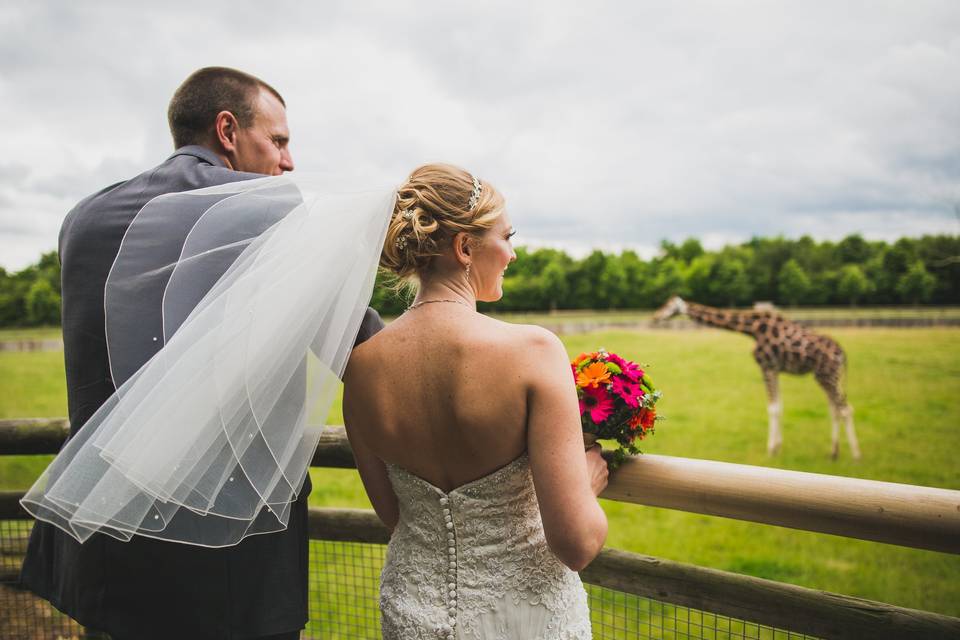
(530, 336)
(362, 356)
(535, 354)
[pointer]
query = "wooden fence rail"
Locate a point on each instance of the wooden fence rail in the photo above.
(907, 515)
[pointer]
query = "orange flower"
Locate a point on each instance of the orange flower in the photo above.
(643, 420)
(592, 375)
(584, 356)
(647, 417)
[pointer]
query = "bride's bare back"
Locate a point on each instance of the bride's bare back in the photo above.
(442, 392)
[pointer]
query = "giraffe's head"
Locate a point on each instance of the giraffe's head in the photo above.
(673, 307)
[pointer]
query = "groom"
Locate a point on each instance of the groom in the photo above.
(227, 126)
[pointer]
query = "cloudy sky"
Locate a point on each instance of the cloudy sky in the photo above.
(606, 124)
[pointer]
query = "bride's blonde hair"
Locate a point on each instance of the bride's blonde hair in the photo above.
(435, 203)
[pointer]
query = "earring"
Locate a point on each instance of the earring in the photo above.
(468, 270)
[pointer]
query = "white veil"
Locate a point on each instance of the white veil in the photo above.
(249, 296)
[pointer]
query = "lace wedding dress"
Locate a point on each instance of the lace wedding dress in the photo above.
(474, 564)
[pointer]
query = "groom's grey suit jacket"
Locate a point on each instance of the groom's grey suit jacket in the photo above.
(147, 588)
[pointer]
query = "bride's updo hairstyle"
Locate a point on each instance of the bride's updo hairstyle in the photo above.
(435, 203)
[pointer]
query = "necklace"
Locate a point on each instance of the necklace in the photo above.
(423, 302)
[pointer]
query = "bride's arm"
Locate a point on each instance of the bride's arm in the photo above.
(573, 521)
(373, 472)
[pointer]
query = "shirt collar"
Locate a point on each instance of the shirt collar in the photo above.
(197, 151)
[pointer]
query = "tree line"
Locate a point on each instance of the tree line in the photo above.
(787, 272)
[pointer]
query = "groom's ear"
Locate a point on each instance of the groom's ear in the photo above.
(225, 128)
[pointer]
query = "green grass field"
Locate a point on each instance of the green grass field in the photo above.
(904, 385)
(31, 333)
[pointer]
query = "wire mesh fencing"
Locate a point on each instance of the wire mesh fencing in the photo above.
(344, 587)
(24, 616)
(344, 590)
(621, 616)
(344, 578)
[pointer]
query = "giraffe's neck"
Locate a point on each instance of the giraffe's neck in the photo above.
(732, 320)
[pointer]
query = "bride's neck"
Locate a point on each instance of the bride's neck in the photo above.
(440, 288)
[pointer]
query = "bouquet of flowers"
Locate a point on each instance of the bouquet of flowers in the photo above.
(617, 401)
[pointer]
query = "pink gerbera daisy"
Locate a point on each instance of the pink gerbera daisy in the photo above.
(629, 369)
(617, 360)
(597, 402)
(629, 391)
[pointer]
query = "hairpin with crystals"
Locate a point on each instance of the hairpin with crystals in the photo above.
(475, 196)
(401, 241)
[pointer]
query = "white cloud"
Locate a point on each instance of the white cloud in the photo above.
(610, 124)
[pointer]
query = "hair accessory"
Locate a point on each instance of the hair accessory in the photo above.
(401, 243)
(407, 214)
(475, 196)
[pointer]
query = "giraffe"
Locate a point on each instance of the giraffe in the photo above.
(782, 346)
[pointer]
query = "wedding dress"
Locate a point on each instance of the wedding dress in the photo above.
(474, 564)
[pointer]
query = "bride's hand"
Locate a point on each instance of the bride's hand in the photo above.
(597, 469)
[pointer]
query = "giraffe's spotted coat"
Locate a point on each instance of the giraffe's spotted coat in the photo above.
(781, 346)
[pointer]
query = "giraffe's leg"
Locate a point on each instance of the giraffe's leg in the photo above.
(779, 434)
(847, 413)
(835, 431)
(830, 382)
(774, 411)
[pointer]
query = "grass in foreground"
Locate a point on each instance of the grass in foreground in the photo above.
(904, 385)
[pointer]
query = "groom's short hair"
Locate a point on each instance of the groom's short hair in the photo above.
(205, 93)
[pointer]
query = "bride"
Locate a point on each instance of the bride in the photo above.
(466, 433)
